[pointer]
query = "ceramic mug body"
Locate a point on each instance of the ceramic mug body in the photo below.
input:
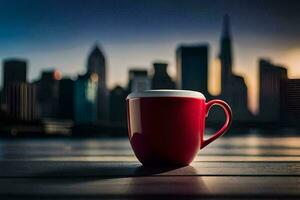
(166, 127)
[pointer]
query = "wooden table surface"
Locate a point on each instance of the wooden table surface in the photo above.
(248, 167)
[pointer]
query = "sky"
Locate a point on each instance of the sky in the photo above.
(135, 33)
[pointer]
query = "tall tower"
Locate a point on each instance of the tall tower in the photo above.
(14, 70)
(192, 67)
(96, 67)
(96, 64)
(271, 78)
(225, 54)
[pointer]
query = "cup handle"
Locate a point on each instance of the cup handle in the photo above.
(225, 127)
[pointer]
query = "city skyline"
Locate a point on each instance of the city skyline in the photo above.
(70, 35)
(87, 100)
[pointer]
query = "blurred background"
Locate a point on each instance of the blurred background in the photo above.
(67, 66)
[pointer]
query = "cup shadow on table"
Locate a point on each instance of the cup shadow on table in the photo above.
(141, 182)
(107, 172)
(69, 173)
(180, 183)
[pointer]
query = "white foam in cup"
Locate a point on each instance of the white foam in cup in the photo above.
(166, 93)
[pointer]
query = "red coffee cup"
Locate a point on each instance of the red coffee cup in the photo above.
(166, 127)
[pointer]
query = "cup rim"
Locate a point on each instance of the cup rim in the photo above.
(166, 93)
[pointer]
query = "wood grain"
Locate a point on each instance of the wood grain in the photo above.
(232, 168)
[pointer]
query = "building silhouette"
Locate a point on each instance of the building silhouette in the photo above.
(66, 98)
(85, 99)
(233, 87)
(48, 94)
(14, 71)
(138, 80)
(270, 95)
(237, 97)
(290, 104)
(117, 106)
(21, 101)
(161, 78)
(192, 68)
(96, 65)
(2, 100)
(226, 55)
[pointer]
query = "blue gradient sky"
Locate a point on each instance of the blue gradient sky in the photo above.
(132, 33)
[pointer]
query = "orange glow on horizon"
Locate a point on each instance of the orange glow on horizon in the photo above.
(291, 60)
(57, 75)
(214, 82)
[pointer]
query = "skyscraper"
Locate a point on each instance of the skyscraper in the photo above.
(161, 78)
(237, 97)
(270, 78)
(290, 105)
(21, 101)
(138, 80)
(233, 87)
(192, 68)
(48, 93)
(14, 71)
(66, 99)
(225, 55)
(96, 65)
(117, 106)
(85, 99)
